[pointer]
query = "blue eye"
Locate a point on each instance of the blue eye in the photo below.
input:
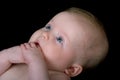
(59, 39)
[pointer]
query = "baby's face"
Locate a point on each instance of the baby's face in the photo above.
(57, 41)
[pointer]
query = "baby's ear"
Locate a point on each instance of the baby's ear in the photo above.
(73, 70)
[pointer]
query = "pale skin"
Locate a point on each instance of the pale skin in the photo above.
(26, 53)
(54, 57)
(57, 47)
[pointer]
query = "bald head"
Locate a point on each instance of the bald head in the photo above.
(94, 46)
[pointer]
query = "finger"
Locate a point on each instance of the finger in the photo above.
(32, 44)
(27, 45)
(22, 46)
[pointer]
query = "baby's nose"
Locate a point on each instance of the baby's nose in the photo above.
(44, 35)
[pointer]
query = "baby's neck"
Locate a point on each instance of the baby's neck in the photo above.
(55, 75)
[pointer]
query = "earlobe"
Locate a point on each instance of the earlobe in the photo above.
(74, 70)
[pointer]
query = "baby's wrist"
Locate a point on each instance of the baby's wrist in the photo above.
(4, 56)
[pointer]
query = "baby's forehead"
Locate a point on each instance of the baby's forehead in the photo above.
(77, 27)
(73, 19)
(69, 24)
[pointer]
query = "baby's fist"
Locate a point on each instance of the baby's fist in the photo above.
(31, 52)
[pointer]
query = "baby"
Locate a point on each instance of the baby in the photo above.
(70, 42)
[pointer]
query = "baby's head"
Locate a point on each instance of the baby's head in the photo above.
(71, 41)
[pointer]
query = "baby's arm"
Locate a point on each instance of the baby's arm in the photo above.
(10, 56)
(4, 63)
(27, 53)
(35, 60)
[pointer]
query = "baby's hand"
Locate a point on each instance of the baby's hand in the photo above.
(28, 53)
(31, 53)
(35, 60)
(25, 53)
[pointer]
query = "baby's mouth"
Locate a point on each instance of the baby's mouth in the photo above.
(38, 45)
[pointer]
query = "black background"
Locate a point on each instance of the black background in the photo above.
(18, 20)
